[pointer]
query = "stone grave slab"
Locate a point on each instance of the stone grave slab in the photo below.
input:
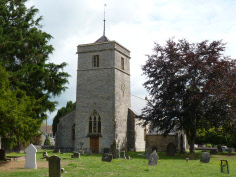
(122, 154)
(76, 155)
(107, 157)
(153, 158)
(54, 163)
(171, 149)
(148, 152)
(205, 157)
(30, 159)
(106, 150)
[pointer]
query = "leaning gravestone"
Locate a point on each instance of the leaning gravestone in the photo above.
(30, 159)
(148, 151)
(213, 151)
(170, 149)
(153, 158)
(219, 148)
(76, 155)
(122, 154)
(113, 149)
(106, 150)
(107, 157)
(205, 157)
(54, 163)
(2, 154)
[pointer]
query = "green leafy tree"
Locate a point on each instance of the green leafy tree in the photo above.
(191, 86)
(17, 112)
(24, 54)
(47, 141)
(70, 106)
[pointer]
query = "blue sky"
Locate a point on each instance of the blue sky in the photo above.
(135, 24)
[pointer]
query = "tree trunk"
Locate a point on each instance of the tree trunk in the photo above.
(191, 143)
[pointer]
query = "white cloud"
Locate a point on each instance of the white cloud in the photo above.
(136, 25)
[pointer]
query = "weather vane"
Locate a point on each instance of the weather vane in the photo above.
(104, 20)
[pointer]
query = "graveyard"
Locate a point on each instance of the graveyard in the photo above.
(134, 165)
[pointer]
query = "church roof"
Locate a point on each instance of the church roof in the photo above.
(137, 104)
(102, 39)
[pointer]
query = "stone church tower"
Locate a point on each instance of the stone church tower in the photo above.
(102, 94)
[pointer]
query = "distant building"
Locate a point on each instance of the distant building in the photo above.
(47, 131)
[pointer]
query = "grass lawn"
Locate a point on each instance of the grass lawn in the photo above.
(137, 166)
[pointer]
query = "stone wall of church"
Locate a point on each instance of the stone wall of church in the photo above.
(63, 138)
(95, 91)
(122, 94)
(160, 142)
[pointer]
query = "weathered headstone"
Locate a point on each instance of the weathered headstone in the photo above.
(122, 154)
(153, 158)
(30, 159)
(45, 153)
(223, 148)
(171, 149)
(107, 157)
(148, 151)
(213, 151)
(2, 154)
(113, 149)
(76, 155)
(230, 150)
(81, 152)
(205, 157)
(118, 153)
(54, 163)
(219, 148)
(90, 151)
(106, 150)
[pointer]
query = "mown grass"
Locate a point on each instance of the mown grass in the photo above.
(138, 166)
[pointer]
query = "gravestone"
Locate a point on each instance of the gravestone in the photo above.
(81, 152)
(30, 159)
(107, 157)
(170, 149)
(223, 148)
(213, 151)
(90, 151)
(113, 149)
(2, 154)
(122, 154)
(205, 157)
(76, 155)
(153, 158)
(219, 148)
(45, 153)
(106, 150)
(118, 153)
(148, 151)
(54, 163)
(230, 150)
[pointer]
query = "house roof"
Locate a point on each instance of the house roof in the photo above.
(49, 129)
(102, 39)
(137, 104)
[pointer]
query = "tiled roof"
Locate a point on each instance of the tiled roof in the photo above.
(49, 129)
(102, 39)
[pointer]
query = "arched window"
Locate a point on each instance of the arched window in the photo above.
(94, 122)
(73, 132)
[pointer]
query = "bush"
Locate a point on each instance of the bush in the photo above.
(47, 141)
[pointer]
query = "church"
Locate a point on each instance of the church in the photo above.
(105, 109)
